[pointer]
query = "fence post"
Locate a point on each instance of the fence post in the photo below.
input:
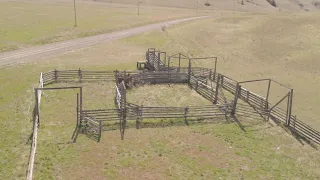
(294, 122)
(217, 90)
(197, 85)
(79, 75)
(77, 110)
(186, 115)
(55, 75)
(81, 106)
(210, 74)
(100, 130)
(267, 97)
(236, 99)
(289, 107)
(179, 62)
(158, 61)
(222, 79)
(189, 71)
(37, 107)
(138, 118)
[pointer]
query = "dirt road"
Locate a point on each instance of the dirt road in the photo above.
(26, 54)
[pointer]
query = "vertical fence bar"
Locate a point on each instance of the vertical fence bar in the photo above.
(290, 106)
(55, 75)
(287, 112)
(222, 79)
(217, 90)
(196, 84)
(138, 118)
(158, 61)
(77, 110)
(100, 130)
(189, 71)
(238, 87)
(79, 75)
(215, 68)
(179, 62)
(81, 106)
(186, 115)
(267, 97)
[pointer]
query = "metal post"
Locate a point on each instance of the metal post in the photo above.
(55, 75)
(196, 84)
(179, 61)
(77, 110)
(217, 91)
(267, 97)
(75, 13)
(100, 130)
(236, 99)
(79, 75)
(81, 106)
(197, 6)
(233, 7)
(290, 106)
(186, 115)
(138, 118)
(158, 61)
(138, 7)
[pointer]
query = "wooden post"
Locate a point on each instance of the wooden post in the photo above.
(37, 106)
(100, 130)
(236, 99)
(217, 90)
(210, 74)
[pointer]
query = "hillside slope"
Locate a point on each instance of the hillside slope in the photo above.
(247, 5)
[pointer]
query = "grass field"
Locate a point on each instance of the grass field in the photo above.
(281, 46)
(25, 23)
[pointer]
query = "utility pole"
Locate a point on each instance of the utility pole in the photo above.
(197, 6)
(138, 1)
(75, 13)
(233, 7)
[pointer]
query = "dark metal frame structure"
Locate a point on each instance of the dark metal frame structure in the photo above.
(207, 82)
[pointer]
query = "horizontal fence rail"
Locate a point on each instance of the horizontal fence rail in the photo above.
(197, 77)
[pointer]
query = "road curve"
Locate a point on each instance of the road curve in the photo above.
(21, 55)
